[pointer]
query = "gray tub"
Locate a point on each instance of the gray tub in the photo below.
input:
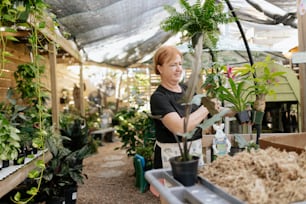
(175, 193)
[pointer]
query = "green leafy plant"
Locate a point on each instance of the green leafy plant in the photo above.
(196, 20)
(29, 15)
(263, 78)
(76, 131)
(68, 151)
(214, 78)
(136, 130)
(9, 140)
(252, 145)
(27, 84)
(198, 23)
(11, 14)
(237, 94)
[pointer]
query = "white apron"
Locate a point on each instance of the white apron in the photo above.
(169, 150)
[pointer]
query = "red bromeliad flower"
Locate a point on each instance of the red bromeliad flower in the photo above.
(229, 72)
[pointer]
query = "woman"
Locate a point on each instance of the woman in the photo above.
(165, 104)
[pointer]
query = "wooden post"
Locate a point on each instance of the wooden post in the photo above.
(302, 72)
(82, 87)
(54, 97)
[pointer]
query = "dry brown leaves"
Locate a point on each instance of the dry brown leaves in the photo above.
(262, 176)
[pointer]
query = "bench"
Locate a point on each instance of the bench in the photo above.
(104, 133)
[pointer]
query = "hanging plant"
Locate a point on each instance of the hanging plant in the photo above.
(9, 16)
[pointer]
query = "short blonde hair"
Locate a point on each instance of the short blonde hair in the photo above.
(165, 54)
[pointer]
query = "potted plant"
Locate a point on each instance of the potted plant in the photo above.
(30, 15)
(185, 166)
(198, 23)
(238, 95)
(263, 77)
(199, 20)
(136, 130)
(64, 171)
(9, 141)
(214, 78)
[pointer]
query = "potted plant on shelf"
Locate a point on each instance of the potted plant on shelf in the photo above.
(9, 141)
(30, 15)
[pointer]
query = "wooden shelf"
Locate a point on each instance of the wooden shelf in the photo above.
(16, 176)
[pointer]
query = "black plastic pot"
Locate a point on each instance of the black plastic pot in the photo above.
(243, 116)
(5, 163)
(186, 172)
(56, 200)
(71, 195)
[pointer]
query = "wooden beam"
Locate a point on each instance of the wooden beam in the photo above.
(22, 33)
(302, 66)
(82, 84)
(51, 32)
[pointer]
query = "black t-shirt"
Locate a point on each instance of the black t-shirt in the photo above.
(163, 102)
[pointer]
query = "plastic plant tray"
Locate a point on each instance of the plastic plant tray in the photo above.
(175, 193)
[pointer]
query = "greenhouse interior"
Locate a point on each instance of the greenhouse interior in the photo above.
(164, 101)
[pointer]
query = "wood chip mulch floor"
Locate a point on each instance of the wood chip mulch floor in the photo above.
(111, 179)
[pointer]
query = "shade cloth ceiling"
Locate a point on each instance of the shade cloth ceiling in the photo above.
(126, 32)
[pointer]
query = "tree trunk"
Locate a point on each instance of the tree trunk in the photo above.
(260, 103)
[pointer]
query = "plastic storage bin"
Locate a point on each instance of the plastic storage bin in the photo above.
(172, 192)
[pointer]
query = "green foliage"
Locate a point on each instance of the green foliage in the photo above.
(27, 83)
(14, 13)
(198, 23)
(252, 145)
(136, 130)
(214, 78)
(195, 20)
(32, 118)
(68, 152)
(9, 140)
(237, 94)
(75, 128)
(263, 79)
